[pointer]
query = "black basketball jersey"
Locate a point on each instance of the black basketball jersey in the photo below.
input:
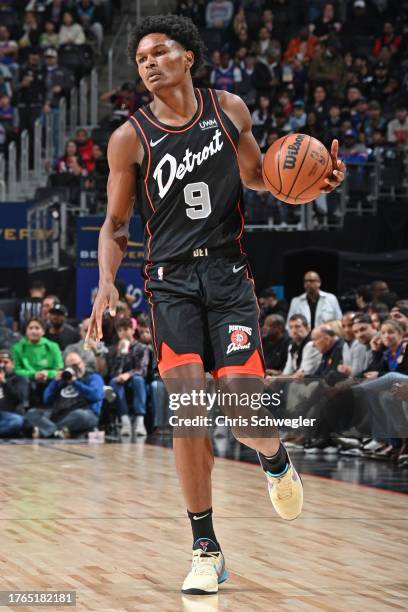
(189, 188)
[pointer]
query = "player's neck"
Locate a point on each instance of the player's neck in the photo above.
(176, 105)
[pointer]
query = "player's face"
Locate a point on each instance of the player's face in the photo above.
(162, 62)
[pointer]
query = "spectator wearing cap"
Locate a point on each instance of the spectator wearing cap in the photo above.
(400, 314)
(70, 33)
(361, 20)
(375, 89)
(275, 343)
(351, 150)
(48, 302)
(297, 118)
(397, 130)
(13, 397)
(59, 330)
(375, 121)
(359, 114)
(302, 46)
(315, 305)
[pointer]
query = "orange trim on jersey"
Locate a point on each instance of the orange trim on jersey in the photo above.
(148, 160)
(170, 131)
(222, 125)
(169, 359)
(253, 366)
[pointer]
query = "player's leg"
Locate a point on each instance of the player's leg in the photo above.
(194, 461)
(233, 324)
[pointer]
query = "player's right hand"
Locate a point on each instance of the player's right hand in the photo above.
(107, 297)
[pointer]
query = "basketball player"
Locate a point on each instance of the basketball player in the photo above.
(183, 158)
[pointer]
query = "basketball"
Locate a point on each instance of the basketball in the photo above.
(295, 167)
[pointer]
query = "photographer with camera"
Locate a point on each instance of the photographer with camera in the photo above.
(74, 398)
(13, 397)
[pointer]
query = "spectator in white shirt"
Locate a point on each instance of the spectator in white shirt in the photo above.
(397, 130)
(316, 305)
(70, 33)
(303, 358)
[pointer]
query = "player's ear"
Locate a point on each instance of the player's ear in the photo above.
(189, 60)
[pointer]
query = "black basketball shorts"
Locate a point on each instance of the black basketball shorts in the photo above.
(205, 310)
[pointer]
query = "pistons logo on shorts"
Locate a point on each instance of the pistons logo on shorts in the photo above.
(239, 338)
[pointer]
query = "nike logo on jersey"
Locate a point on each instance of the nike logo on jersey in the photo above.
(156, 142)
(190, 161)
(235, 270)
(198, 518)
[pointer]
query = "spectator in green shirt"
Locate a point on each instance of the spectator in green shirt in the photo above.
(36, 358)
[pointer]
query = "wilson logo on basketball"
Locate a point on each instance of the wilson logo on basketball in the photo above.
(208, 124)
(293, 150)
(239, 340)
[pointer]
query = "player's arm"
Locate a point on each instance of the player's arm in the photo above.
(249, 153)
(123, 151)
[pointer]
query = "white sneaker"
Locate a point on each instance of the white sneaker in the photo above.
(126, 427)
(140, 430)
(207, 572)
(372, 446)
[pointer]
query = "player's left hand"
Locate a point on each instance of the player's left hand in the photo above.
(339, 169)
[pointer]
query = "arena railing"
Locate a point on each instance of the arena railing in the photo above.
(116, 49)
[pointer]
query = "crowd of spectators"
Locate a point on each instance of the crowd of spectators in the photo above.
(349, 369)
(46, 46)
(52, 385)
(346, 367)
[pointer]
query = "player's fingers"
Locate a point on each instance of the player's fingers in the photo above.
(113, 302)
(91, 333)
(341, 165)
(334, 151)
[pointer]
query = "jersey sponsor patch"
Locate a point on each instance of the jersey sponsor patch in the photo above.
(208, 124)
(160, 273)
(239, 338)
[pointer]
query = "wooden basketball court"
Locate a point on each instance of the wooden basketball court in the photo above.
(108, 522)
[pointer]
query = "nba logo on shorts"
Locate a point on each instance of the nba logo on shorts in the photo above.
(160, 273)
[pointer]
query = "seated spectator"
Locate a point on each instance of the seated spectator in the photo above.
(9, 118)
(13, 397)
(316, 305)
(354, 353)
(361, 20)
(91, 352)
(266, 46)
(128, 363)
(269, 304)
(59, 331)
(73, 398)
(363, 297)
(71, 162)
(351, 150)
(397, 130)
(48, 302)
(90, 20)
(326, 24)
(85, 144)
(55, 10)
(389, 39)
(378, 289)
(8, 50)
(49, 37)
(30, 35)
(36, 358)
(261, 119)
(327, 342)
(328, 67)
(302, 47)
(275, 343)
(7, 336)
(400, 314)
(218, 14)
(297, 118)
(303, 358)
(255, 77)
(364, 332)
(70, 33)
(29, 307)
(227, 76)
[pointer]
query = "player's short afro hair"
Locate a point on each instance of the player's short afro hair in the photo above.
(176, 27)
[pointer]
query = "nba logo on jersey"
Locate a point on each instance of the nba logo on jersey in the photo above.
(160, 273)
(208, 124)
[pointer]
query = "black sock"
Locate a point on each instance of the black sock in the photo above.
(277, 464)
(203, 530)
